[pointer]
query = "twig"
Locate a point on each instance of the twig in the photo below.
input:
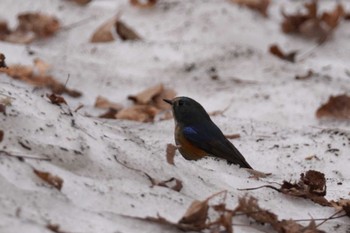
(264, 186)
(331, 217)
(2, 152)
(76, 24)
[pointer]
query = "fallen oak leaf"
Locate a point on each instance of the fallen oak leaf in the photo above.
(276, 51)
(56, 99)
(53, 180)
(337, 107)
(145, 4)
(170, 153)
(166, 93)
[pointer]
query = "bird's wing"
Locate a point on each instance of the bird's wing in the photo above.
(214, 143)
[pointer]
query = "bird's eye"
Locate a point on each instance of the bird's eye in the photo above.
(181, 103)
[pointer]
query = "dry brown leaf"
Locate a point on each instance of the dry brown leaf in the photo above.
(309, 74)
(27, 74)
(81, 2)
(177, 186)
(2, 61)
(104, 32)
(104, 103)
(249, 206)
(312, 157)
(312, 186)
(232, 136)
(332, 18)
(42, 25)
(275, 50)
(342, 204)
(260, 6)
(145, 4)
(311, 24)
(31, 26)
(170, 153)
(3, 109)
(125, 32)
(53, 180)
(110, 114)
(146, 96)
(196, 214)
(142, 113)
(1, 135)
(56, 99)
(54, 228)
(337, 107)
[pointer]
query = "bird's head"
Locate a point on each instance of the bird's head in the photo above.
(187, 111)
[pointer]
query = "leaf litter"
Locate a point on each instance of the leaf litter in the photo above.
(147, 105)
(312, 24)
(197, 217)
(31, 26)
(38, 76)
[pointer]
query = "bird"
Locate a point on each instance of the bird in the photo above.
(197, 136)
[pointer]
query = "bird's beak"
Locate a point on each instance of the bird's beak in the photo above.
(168, 101)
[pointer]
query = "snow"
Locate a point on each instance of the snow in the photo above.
(273, 112)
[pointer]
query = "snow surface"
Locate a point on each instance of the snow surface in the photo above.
(273, 112)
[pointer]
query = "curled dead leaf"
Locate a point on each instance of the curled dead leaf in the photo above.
(2, 61)
(104, 103)
(337, 107)
(53, 180)
(125, 32)
(260, 6)
(145, 4)
(275, 50)
(170, 153)
(56, 99)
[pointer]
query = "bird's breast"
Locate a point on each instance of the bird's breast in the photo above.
(188, 150)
